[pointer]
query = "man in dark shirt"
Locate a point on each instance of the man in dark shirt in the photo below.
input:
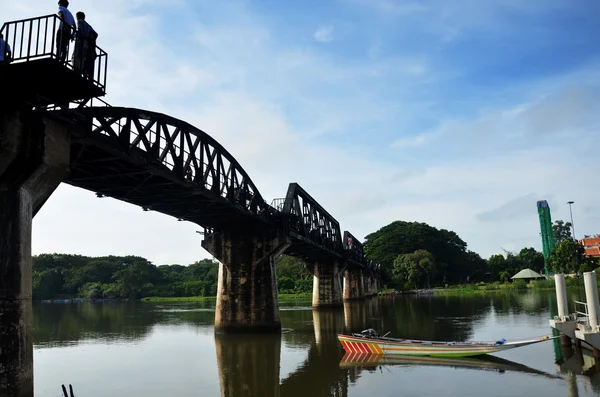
(5, 54)
(84, 55)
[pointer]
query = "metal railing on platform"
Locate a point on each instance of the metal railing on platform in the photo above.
(578, 306)
(38, 38)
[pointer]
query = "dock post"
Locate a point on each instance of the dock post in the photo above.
(561, 295)
(564, 323)
(591, 296)
(561, 299)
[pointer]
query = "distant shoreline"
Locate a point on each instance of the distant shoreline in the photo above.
(158, 299)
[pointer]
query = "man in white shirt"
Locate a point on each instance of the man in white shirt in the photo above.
(65, 29)
(5, 53)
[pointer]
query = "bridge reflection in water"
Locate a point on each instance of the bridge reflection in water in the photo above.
(250, 366)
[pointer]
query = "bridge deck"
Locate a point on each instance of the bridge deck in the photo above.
(153, 187)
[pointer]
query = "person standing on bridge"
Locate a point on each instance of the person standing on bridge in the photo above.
(5, 54)
(65, 29)
(84, 55)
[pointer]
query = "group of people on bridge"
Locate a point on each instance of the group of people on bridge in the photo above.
(84, 53)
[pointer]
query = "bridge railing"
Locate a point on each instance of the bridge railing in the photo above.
(36, 38)
(279, 203)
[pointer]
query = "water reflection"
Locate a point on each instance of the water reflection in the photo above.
(248, 366)
(252, 365)
(574, 362)
(484, 363)
(67, 324)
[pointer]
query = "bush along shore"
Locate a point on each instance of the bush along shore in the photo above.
(517, 285)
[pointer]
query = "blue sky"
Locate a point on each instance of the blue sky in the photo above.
(461, 114)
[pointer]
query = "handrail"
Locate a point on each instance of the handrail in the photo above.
(36, 38)
(585, 306)
(30, 19)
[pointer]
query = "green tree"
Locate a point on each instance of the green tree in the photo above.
(504, 276)
(415, 268)
(531, 259)
(132, 278)
(47, 284)
(569, 257)
(292, 267)
(561, 231)
(453, 262)
(496, 265)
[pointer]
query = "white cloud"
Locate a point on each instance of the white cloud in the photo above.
(394, 7)
(412, 141)
(324, 34)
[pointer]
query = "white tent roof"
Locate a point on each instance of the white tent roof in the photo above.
(527, 273)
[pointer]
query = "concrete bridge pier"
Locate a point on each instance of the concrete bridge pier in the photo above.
(327, 291)
(354, 284)
(247, 286)
(34, 159)
(368, 281)
(248, 366)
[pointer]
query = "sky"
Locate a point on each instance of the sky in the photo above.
(461, 114)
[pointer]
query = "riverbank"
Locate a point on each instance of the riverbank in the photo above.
(518, 285)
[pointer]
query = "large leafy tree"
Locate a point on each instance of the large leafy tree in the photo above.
(453, 262)
(569, 257)
(561, 231)
(531, 259)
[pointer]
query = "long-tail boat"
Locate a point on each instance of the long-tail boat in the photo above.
(369, 342)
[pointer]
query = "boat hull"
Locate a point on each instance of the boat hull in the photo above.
(381, 346)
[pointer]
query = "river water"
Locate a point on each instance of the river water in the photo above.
(144, 349)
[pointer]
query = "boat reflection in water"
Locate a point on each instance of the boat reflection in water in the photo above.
(486, 363)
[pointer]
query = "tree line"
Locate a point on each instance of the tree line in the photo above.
(411, 254)
(58, 276)
(416, 255)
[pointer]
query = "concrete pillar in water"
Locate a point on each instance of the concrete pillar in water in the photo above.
(34, 159)
(353, 284)
(248, 365)
(591, 296)
(361, 285)
(367, 285)
(247, 286)
(327, 291)
(347, 285)
(561, 295)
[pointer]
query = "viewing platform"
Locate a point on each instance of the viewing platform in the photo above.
(36, 76)
(582, 325)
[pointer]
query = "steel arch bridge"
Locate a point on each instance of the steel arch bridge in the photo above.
(162, 164)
